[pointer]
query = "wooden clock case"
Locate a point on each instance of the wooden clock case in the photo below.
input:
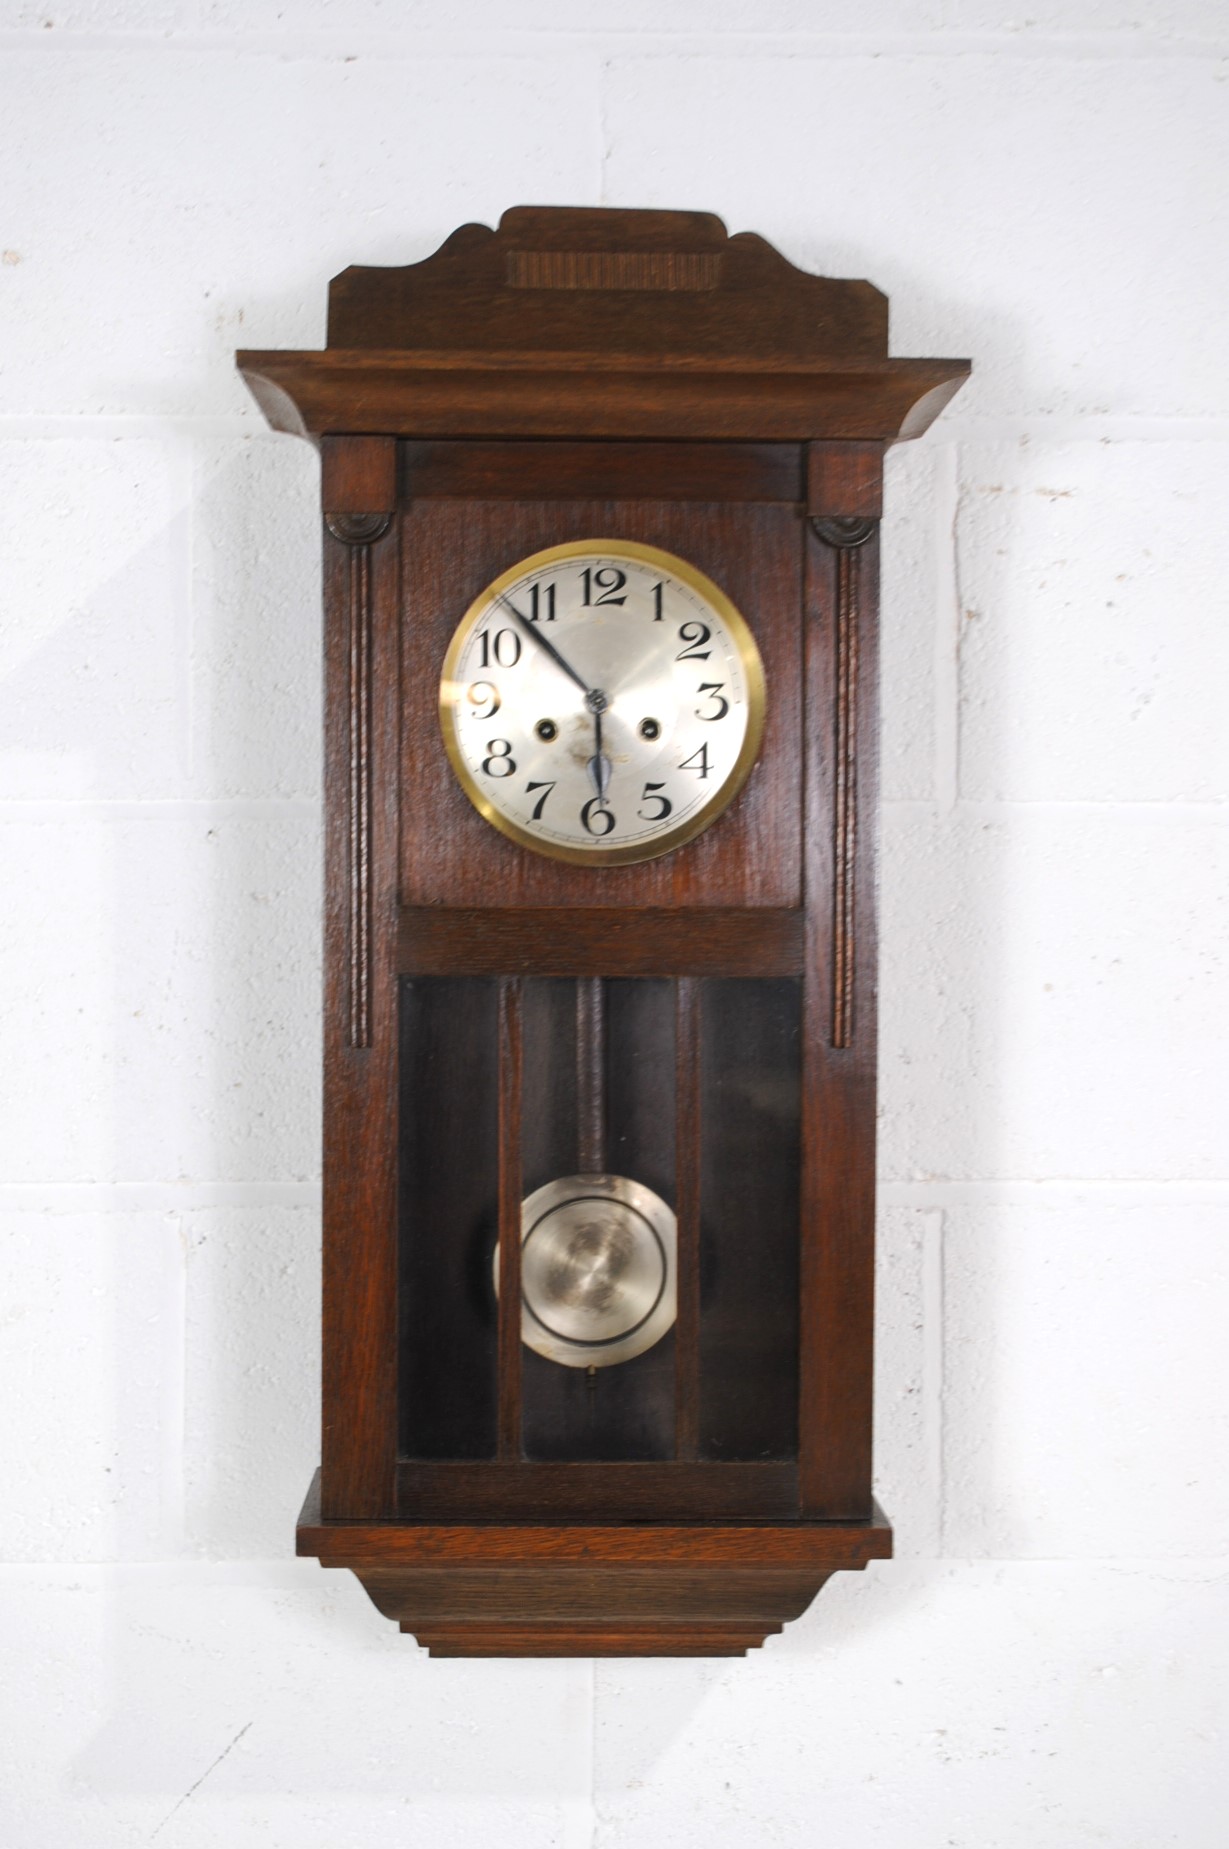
(582, 373)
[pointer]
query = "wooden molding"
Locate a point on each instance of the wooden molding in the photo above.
(406, 393)
(359, 794)
(846, 534)
(582, 1589)
(588, 1612)
(598, 280)
(358, 529)
(843, 532)
(590, 323)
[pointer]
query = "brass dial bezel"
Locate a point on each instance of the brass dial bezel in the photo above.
(629, 853)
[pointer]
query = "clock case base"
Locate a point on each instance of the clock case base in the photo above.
(588, 1590)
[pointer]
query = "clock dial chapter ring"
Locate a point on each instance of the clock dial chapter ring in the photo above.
(597, 1270)
(607, 727)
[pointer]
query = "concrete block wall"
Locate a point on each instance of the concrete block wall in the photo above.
(1042, 189)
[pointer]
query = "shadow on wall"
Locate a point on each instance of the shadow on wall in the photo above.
(943, 1086)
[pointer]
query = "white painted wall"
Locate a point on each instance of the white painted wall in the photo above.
(1043, 1666)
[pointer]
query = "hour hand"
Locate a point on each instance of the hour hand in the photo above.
(599, 765)
(599, 768)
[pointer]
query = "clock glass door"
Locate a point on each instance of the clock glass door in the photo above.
(657, 1142)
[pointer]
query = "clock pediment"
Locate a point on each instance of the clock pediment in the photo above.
(593, 322)
(598, 280)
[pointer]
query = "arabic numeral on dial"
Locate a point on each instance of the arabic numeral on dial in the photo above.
(541, 604)
(506, 648)
(659, 591)
(713, 690)
(698, 761)
(595, 818)
(483, 694)
(499, 761)
(694, 635)
(652, 794)
(538, 807)
(607, 581)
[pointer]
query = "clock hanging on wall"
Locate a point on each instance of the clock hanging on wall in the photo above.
(601, 499)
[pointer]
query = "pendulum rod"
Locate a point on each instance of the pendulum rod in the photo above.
(591, 1075)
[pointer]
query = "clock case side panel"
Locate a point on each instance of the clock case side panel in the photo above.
(840, 1031)
(362, 734)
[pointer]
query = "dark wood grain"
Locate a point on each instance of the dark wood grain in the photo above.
(580, 1610)
(437, 940)
(805, 1543)
(358, 475)
(574, 1589)
(847, 535)
(603, 471)
(455, 1595)
(575, 1637)
(359, 794)
(838, 1082)
(845, 479)
(359, 1420)
(584, 1490)
(428, 395)
(532, 331)
(601, 281)
(575, 323)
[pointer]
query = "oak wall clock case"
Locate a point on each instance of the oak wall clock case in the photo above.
(601, 494)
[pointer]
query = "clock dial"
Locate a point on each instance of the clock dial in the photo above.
(602, 702)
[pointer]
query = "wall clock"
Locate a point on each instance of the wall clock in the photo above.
(601, 495)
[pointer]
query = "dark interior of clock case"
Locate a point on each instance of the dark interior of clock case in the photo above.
(689, 1087)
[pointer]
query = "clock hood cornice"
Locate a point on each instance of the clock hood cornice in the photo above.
(588, 322)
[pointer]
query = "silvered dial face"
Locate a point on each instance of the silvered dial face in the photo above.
(602, 702)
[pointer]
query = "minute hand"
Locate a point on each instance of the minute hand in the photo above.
(532, 629)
